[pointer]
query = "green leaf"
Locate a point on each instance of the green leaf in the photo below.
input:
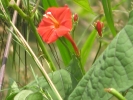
(85, 51)
(113, 69)
(108, 14)
(52, 3)
(65, 51)
(45, 4)
(35, 96)
(23, 95)
(84, 4)
(62, 80)
(13, 90)
(74, 69)
(49, 3)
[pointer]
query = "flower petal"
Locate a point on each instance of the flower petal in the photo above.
(63, 15)
(62, 31)
(45, 22)
(53, 37)
(46, 33)
(67, 24)
(43, 30)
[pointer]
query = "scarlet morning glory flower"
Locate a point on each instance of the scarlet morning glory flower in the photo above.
(99, 26)
(56, 23)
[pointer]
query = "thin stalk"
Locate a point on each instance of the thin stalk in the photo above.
(58, 60)
(55, 54)
(13, 4)
(19, 63)
(82, 68)
(25, 54)
(23, 41)
(37, 4)
(97, 52)
(73, 30)
(115, 93)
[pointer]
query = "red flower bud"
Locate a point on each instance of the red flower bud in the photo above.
(75, 17)
(99, 26)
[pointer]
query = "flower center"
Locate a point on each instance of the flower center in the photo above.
(51, 17)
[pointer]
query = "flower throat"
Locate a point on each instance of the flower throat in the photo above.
(51, 17)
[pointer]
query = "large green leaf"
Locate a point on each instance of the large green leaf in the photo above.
(114, 68)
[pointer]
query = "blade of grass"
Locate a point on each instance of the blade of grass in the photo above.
(84, 4)
(52, 3)
(48, 3)
(37, 3)
(108, 14)
(45, 4)
(87, 47)
(65, 49)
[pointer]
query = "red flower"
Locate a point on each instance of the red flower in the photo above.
(99, 26)
(57, 22)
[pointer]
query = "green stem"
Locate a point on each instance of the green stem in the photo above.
(14, 6)
(82, 68)
(41, 44)
(97, 52)
(73, 30)
(115, 93)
